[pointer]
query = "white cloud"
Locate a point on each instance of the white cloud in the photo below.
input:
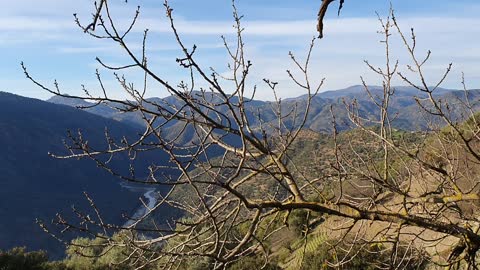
(338, 57)
(29, 24)
(90, 49)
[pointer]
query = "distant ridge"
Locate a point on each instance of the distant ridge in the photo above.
(403, 105)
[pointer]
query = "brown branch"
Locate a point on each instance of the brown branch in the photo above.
(321, 15)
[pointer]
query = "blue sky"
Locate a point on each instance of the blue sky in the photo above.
(44, 36)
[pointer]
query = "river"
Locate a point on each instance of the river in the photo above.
(151, 200)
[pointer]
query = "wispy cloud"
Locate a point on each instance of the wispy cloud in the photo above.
(75, 50)
(339, 57)
(21, 23)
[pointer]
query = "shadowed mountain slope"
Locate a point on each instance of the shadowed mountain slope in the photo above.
(35, 185)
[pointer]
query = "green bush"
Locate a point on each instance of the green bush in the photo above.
(19, 258)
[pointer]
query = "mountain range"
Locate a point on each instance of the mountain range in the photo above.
(403, 106)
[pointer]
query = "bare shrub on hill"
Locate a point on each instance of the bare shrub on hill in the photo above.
(240, 182)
